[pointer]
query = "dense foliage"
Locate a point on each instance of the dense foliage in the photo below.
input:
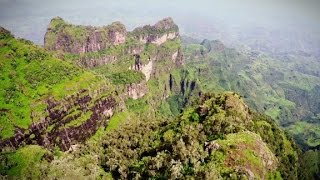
(199, 143)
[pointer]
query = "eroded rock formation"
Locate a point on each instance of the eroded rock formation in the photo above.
(65, 125)
(77, 39)
(136, 91)
(159, 33)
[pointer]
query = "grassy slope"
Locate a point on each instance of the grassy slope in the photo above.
(29, 76)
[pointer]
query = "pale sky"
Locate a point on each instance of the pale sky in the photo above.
(29, 18)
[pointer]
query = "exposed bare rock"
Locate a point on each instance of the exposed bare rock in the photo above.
(147, 70)
(165, 24)
(117, 37)
(159, 33)
(54, 129)
(174, 56)
(158, 39)
(178, 57)
(136, 91)
(97, 46)
(81, 39)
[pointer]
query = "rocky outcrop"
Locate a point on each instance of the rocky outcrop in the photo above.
(153, 50)
(81, 39)
(97, 46)
(77, 39)
(136, 91)
(159, 33)
(63, 125)
(158, 39)
(178, 58)
(147, 70)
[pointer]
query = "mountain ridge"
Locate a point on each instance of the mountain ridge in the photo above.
(148, 115)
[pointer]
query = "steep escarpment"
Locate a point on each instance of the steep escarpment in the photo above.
(149, 51)
(157, 34)
(58, 99)
(47, 101)
(77, 39)
(65, 125)
(63, 36)
(124, 107)
(108, 43)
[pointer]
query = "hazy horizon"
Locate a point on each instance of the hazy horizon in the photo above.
(229, 21)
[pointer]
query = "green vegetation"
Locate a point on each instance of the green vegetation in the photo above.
(178, 130)
(306, 134)
(273, 112)
(24, 162)
(285, 90)
(247, 151)
(28, 74)
(127, 77)
(177, 148)
(310, 165)
(116, 120)
(162, 27)
(79, 121)
(72, 38)
(198, 143)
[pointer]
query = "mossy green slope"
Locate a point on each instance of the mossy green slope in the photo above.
(31, 78)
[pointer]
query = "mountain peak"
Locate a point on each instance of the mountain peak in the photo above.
(56, 23)
(4, 33)
(166, 24)
(77, 39)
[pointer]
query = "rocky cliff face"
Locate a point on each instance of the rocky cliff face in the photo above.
(98, 46)
(64, 125)
(77, 39)
(159, 33)
(136, 91)
(81, 39)
(59, 104)
(75, 116)
(153, 50)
